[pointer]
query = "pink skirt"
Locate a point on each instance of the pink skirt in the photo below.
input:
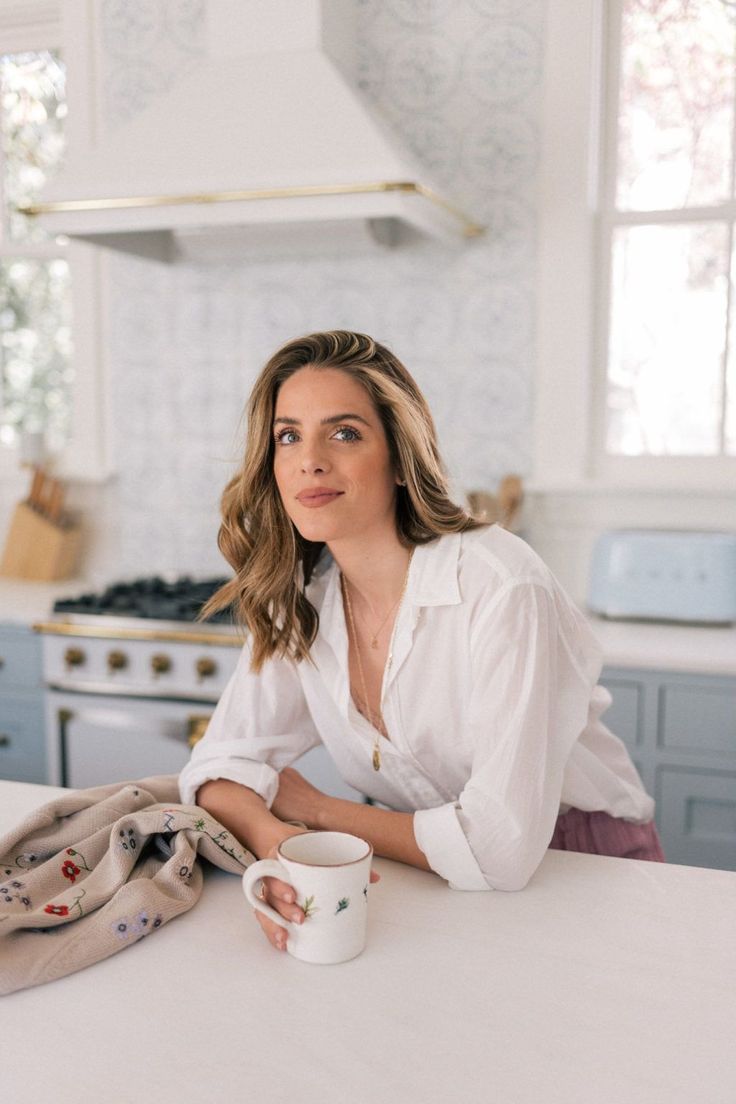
(601, 834)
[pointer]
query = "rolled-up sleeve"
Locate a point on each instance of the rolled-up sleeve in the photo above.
(535, 664)
(260, 725)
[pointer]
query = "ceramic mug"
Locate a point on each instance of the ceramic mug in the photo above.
(329, 872)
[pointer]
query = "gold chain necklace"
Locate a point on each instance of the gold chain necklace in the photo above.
(378, 722)
(375, 635)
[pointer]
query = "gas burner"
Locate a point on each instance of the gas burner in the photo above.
(152, 598)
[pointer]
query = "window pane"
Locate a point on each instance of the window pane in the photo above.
(675, 126)
(667, 340)
(33, 107)
(35, 349)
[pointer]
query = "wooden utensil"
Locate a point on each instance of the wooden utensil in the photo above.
(510, 497)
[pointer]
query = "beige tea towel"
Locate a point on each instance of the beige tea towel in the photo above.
(96, 870)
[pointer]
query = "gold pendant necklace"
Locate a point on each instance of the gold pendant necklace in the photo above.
(374, 644)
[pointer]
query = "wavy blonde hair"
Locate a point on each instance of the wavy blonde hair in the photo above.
(273, 563)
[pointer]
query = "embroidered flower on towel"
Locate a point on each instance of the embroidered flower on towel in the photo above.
(123, 928)
(10, 891)
(127, 839)
(70, 871)
(140, 926)
(57, 910)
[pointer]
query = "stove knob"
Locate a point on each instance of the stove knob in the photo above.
(206, 668)
(74, 657)
(116, 661)
(160, 664)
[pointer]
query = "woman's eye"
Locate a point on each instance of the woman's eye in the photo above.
(286, 437)
(347, 433)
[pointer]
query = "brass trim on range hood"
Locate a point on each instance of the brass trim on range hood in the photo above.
(470, 229)
(106, 632)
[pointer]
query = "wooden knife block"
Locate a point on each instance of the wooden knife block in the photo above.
(37, 548)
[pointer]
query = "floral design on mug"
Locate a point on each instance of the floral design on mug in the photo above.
(309, 908)
(342, 904)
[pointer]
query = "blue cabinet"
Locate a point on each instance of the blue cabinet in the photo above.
(681, 732)
(22, 739)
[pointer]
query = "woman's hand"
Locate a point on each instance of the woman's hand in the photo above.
(298, 799)
(281, 897)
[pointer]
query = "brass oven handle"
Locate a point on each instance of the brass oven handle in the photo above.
(196, 728)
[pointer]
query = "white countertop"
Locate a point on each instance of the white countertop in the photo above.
(651, 645)
(23, 602)
(604, 981)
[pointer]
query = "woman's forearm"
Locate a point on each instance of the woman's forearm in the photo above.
(243, 812)
(390, 834)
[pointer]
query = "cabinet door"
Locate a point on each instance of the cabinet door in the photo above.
(697, 816)
(22, 743)
(698, 716)
(103, 740)
(20, 658)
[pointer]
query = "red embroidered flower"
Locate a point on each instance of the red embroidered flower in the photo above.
(70, 871)
(57, 910)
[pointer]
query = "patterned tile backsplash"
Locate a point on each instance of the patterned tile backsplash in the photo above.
(460, 81)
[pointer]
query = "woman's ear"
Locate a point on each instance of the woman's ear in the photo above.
(401, 482)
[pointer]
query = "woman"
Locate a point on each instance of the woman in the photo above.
(438, 659)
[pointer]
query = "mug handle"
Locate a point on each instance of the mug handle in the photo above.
(256, 872)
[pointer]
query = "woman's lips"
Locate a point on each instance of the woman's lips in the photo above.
(318, 496)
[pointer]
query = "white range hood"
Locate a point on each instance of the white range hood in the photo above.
(263, 142)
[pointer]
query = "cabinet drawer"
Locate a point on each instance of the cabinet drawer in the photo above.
(696, 814)
(624, 717)
(698, 716)
(20, 658)
(22, 739)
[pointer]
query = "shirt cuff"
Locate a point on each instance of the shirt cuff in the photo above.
(440, 837)
(256, 776)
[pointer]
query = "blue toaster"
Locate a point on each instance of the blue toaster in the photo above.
(664, 575)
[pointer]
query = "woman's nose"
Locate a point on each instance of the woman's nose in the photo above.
(314, 461)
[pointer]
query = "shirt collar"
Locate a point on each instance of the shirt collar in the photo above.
(433, 576)
(433, 579)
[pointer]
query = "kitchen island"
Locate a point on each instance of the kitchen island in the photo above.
(604, 981)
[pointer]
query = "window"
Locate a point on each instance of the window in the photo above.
(51, 368)
(636, 332)
(667, 221)
(36, 366)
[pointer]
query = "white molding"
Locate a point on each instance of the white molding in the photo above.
(563, 391)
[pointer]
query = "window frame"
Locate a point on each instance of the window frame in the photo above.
(37, 25)
(578, 152)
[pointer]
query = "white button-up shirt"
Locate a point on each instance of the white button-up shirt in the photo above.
(490, 703)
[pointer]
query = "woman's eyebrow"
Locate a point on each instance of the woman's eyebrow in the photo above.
(332, 420)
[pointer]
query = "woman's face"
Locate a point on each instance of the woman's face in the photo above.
(331, 458)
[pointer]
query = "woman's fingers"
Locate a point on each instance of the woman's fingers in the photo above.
(274, 933)
(280, 896)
